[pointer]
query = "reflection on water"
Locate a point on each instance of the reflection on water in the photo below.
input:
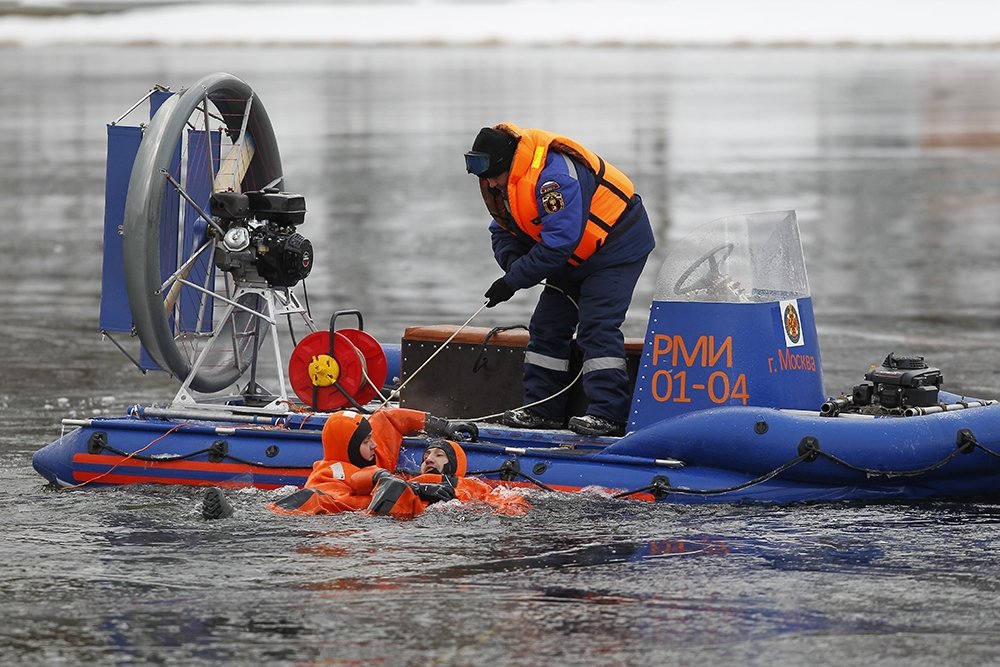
(890, 158)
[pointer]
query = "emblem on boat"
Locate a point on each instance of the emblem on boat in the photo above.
(791, 323)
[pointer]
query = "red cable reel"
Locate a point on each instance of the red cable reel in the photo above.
(330, 377)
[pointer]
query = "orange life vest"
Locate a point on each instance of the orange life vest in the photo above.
(611, 197)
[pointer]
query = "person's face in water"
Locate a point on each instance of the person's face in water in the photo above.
(435, 461)
(367, 448)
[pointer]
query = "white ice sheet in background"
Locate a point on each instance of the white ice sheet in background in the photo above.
(664, 22)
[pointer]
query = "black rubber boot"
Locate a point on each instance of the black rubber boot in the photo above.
(524, 418)
(594, 425)
(215, 505)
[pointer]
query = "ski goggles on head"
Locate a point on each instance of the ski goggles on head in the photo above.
(477, 162)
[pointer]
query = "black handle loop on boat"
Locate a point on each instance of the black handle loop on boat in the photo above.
(809, 447)
(659, 488)
(482, 360)
(966, 441)
(218, 451)
(509, 470)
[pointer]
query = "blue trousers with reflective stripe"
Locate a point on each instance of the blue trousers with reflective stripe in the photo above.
(603, 296)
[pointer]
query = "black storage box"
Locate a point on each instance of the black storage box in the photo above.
(470, 379)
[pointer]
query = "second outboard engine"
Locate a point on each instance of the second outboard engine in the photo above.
(900, 382)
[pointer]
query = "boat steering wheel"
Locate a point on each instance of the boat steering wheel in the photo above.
(715, 258)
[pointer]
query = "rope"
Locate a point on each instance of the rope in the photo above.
(343, 392)
(436, 352)
(377, 390)
(890, 473)
(667, 488)
(508, 471)
(660, 487)
(126, 456)
(478, 365)
(809, 451)
(222, 455)
(988, 451)
(540, 401)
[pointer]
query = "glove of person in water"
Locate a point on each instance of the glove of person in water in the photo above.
(498, 292)
(453, 430)
(433, 493)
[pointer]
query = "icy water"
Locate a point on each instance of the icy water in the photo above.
(890, 157)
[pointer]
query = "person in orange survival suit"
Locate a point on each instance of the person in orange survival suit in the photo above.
(442, 478)
(353, 442)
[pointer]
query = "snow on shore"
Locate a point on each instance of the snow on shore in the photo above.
(628, 22)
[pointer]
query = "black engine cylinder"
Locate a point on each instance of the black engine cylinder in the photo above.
(287, 260)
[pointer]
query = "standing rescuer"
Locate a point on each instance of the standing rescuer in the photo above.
(563, 215)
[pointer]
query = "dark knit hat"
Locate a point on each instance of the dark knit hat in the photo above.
(456, 456)
(492, 153)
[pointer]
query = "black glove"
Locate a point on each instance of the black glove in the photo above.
(432, 493)
(460, 431)
(386, 493)
(435, 426)
(442, 428)
(498, 292)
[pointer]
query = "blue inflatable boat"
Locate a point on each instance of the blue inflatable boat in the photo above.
(202, 258)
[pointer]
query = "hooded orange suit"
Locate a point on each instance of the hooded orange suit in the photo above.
(328, 489)
(342, 481)
(410, 498)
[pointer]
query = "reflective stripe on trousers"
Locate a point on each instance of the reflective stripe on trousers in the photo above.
(544, 361)
(603, 364)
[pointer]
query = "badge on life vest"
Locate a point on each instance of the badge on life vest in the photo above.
(553, 202)
(547, 187)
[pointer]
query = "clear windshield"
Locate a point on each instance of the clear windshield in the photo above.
(745, 258)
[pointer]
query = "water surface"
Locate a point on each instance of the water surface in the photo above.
(891, 159)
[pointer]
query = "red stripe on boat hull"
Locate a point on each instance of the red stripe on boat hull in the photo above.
(107, 469)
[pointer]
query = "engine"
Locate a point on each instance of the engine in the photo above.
(900, 382)
(259, 239)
